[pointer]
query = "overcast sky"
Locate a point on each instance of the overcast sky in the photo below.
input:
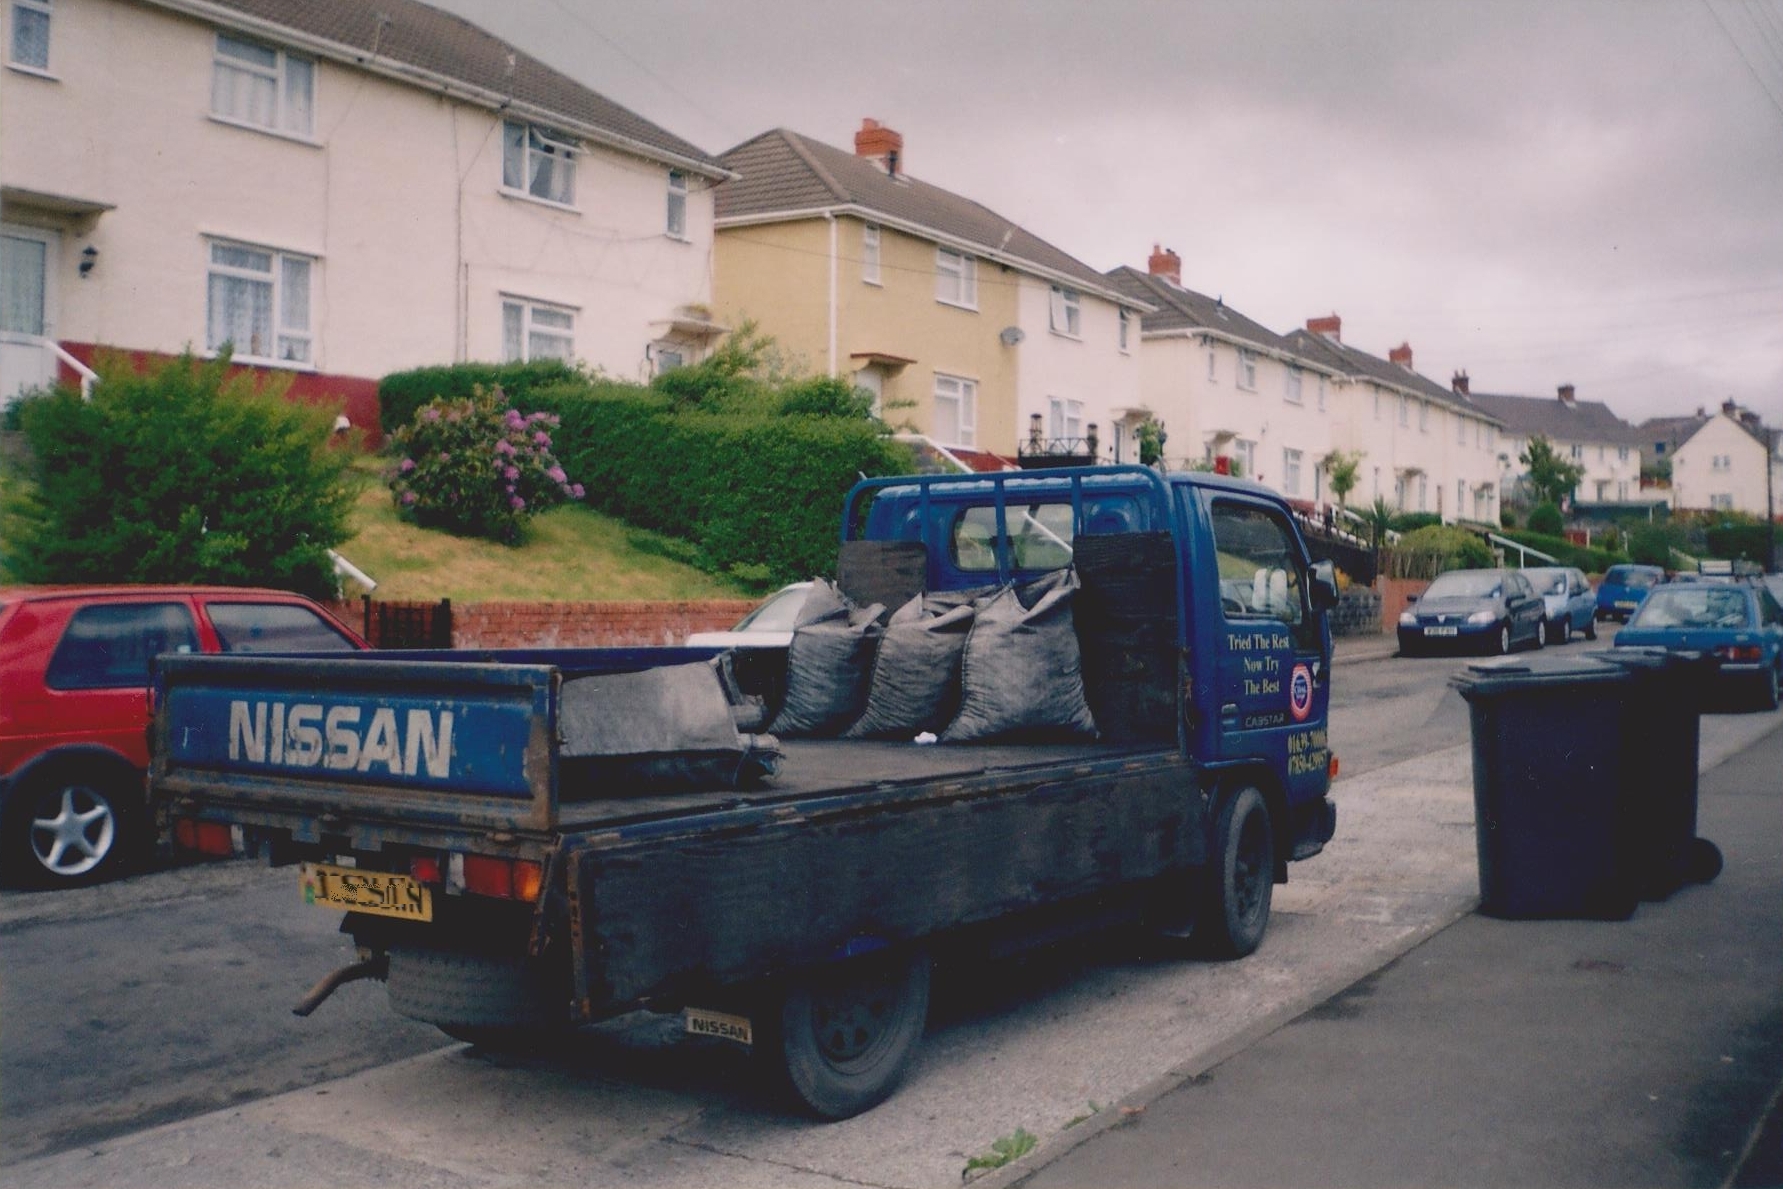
(1543, 192)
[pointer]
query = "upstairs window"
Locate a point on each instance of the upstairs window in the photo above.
(1460, 431)
(956, 278)
(539, 163)
(1126, 328)
(1067, 313)
(1423, 416)
(677, 224)
(263, 87)
(532, 330)
(1247, 370)
(1213, 366)
(29, 45)
(1405, 410)
(1291, 393)
(870, 254)
(258, 302)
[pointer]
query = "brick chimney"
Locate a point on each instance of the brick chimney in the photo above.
(878, 143)
(1165, 263)
(1566, 394)
(1330, 327)
(1401, 356)
(1459, 383)
(1729, 407)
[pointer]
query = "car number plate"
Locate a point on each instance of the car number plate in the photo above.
(381, 893)
(1441, 631)
(1626, 605)
(702, 1022)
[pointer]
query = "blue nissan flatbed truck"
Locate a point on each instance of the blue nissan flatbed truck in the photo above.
(504, 884)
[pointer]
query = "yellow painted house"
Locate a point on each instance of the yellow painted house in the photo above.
(967, 329)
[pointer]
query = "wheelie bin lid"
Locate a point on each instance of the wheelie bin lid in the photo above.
(1539, 671)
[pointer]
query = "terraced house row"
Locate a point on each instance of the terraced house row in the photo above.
(339, 190)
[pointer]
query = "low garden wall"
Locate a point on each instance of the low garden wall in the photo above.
(1358, 613)
(1396, 595)
(591, 625)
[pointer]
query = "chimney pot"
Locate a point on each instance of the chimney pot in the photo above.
(1329, 327)
(1729, 407)
(1566, 394)
(1459, 383)
(878, 143)
(1401, 355)
(1167, 264)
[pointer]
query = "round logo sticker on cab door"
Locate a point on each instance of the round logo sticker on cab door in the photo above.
(1300, 693)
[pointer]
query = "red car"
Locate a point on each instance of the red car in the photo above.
(74, 673)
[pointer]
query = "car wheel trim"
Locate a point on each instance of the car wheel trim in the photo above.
(88, 832)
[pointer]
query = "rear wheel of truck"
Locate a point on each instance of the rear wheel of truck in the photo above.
(844, 1035)
(1239, 880)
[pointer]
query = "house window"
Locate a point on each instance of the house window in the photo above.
(1423, 416)
(539, 163)
(1247, 370)
(1461, 431)
(1377, 404)
(1291, 472)
(1658, 447)
(1603, 490)
(1622, 489)
(1067, 418)
(956, 410)
(1721, 462)
(532, 330)
(677, 224)
(30, 43)
(1292, 391)
(1322, 391)
(1722, 502)
(262, 87)
(1600, 454)
(870, 253)
(1244, 454)
(1460, 496)
(1066, 312)
(1212, 366)
(668, 358)
(1577, 451)
(1622, 454)
(1126, 327)
(1423, 492)
(1405, 410)
(258, 301)
(956, 278)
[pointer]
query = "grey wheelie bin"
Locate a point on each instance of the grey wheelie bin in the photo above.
(1661, 739)
(1550, 819)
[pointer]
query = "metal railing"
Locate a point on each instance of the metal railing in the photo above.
(1523, 551)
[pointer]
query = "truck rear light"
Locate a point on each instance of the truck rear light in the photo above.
(504, 879)
(427, 869)
(207, 838)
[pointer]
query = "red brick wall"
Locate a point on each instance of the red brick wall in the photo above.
(590, 625)
(1396, 596)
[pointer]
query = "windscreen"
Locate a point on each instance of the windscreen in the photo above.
(1464, 584)
(1694, 607)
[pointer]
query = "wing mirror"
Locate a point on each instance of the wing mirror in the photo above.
(1323, 586)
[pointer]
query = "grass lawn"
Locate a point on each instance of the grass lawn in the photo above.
(570, 553)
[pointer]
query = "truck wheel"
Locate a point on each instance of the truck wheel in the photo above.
(1239, 878)
(66, 827)
(499, 1002)
(845, 1034)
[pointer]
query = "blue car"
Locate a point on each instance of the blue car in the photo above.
(1497, 609)
(1739, 623)
(1623, 588)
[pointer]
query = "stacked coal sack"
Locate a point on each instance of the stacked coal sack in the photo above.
(999, 662)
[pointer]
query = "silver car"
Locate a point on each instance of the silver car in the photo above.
(1570, 602)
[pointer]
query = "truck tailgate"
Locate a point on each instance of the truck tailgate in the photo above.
(451, 744)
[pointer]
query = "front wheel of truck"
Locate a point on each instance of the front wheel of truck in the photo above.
(844, 1034)
(1239, 879)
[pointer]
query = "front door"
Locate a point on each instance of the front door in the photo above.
(1273, 661)
(27, 270)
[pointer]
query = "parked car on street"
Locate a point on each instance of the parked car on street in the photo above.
(74, 676)
(1496, 609)
(1622, 589)
(1571, 604)
(1739, 623)
(768, 626)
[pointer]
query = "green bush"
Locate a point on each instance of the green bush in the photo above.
(1750, 542)
(477, 467)
(401, 394)
(1409, 522)
(1652, 544)
(1428, 551)
(1507, 517)
(182, 474)
(1545, 518)
(1593, 560)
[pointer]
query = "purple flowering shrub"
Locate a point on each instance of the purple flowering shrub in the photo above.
(474, 466)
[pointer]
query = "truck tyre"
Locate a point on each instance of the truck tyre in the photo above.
(502, 1003)
(1239, 879)
(68, 825)
(844, 1035)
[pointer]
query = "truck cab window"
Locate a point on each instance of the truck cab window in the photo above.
(1261, 573)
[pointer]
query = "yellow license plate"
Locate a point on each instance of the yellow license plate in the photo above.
(381, 893)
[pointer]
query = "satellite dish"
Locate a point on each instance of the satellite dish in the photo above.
(1011, 335)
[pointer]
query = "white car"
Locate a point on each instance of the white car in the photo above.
(1571, 603)
(768, 626)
